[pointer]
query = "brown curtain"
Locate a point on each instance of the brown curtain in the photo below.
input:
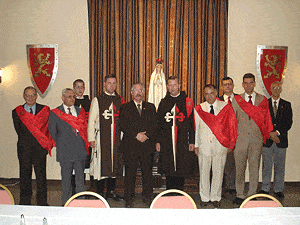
(127, 36)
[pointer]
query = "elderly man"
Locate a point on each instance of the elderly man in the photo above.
(216, 134)
(105, 136)
(34, 142)
(68, 128)
(139, 124)
(274, 151)
(254, 126)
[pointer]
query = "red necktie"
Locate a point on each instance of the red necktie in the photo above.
(229, 99)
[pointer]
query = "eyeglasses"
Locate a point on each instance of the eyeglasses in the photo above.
(30, 96)
(278, 88)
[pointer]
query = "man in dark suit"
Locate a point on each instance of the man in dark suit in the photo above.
(229, 170)
(68, 128)
(34, 142)
(274, 151)
(138, 123)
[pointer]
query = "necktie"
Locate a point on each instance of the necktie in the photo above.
(74, 130)
(229, 99)
(275, 108)
(212, 111)
(250, 101)
(139, 109)
(31, 110)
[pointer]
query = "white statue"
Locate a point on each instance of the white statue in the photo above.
(157, 87)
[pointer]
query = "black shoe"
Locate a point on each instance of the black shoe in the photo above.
(129, 204)
(216, 204)
(113, 196)
(279, 195)
(204, 204)
(263, 192)
(238, 201)
(231, 191)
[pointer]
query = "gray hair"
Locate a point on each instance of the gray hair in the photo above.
(139, 83)
(65, 91)
(29, 88)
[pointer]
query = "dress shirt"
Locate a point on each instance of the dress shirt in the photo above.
(113, 94)
(27, 108)
(252, 99)
(226, 97)
(277, 102)
(136, 104)
(73, 111)
(207, 107)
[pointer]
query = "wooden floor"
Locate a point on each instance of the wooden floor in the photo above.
(292, 192)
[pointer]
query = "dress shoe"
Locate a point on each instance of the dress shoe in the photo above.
(279, 195)
(238, 201)
(263, 192)
(129, 204)
(204, 204)
(216, 204)
(113, 196)
(231, 191)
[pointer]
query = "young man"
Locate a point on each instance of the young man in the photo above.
(68, 128)
(216, 134)
(254, 126)
(34, 143)
(105, 135)
(176, 137)
(139, 124)
(274, 151)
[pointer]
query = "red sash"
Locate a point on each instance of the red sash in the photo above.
(189, 106)
(223, 125)
(38, 126)
(79, 123)
(260, 115)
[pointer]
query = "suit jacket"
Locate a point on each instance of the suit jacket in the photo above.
(204, 138)
(222, 97)
(247, 128)
(25, 138)
(69, 147)
(131, 123)
(282, 122)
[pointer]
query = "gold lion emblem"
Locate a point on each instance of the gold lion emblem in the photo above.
(272, 64)
(42, 61)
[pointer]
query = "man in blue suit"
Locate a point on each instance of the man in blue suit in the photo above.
(68, 128)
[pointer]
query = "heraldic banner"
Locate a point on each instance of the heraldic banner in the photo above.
(271, 65)
(42, 62)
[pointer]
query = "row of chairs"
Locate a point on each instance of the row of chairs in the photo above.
(163, 200)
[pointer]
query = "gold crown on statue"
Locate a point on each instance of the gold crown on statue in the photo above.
(159, 61)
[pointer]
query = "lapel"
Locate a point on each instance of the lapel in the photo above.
(61, 108)
(134, 108)
(77, 110)
(271, 108)
(280, 107)
(257, 99)
(243, 95)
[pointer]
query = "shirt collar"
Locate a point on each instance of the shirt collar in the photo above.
(27, 108)
(113, 94)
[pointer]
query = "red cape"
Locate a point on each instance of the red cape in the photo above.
(79, 123)
(223, 125)
(38, 126)
(260, 115)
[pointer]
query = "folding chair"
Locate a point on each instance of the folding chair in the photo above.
(93, 203)
(6, 198)
(250, 203)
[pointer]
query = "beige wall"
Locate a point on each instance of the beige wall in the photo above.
(25, 22)
(268, 22)
(22, 22)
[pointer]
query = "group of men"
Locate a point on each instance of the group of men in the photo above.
(224, 133)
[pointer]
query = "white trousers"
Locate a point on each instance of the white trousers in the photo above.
(216, 162)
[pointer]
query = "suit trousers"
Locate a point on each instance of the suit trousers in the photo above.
(229, 172)
(247, 149)
(273, 156)
(132, 162)
(29, 158)
(66, 175)
(216, 162)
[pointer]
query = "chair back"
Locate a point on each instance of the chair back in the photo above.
(6, 198)
(270, 202)
(183, 201)
(93, 203)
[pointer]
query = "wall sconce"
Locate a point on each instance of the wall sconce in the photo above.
(0, 75)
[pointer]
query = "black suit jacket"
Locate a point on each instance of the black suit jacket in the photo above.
(131, 123)
(282, 122)
(26, 141)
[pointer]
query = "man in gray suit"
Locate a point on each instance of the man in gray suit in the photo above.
(68, 128)
(254, 126)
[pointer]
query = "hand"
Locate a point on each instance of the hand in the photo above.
(92, 144)
(196, 151)
(191, 147)
(158, 147)
(141, 136)
(229, 150)
(276, 140)
(273, 134)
